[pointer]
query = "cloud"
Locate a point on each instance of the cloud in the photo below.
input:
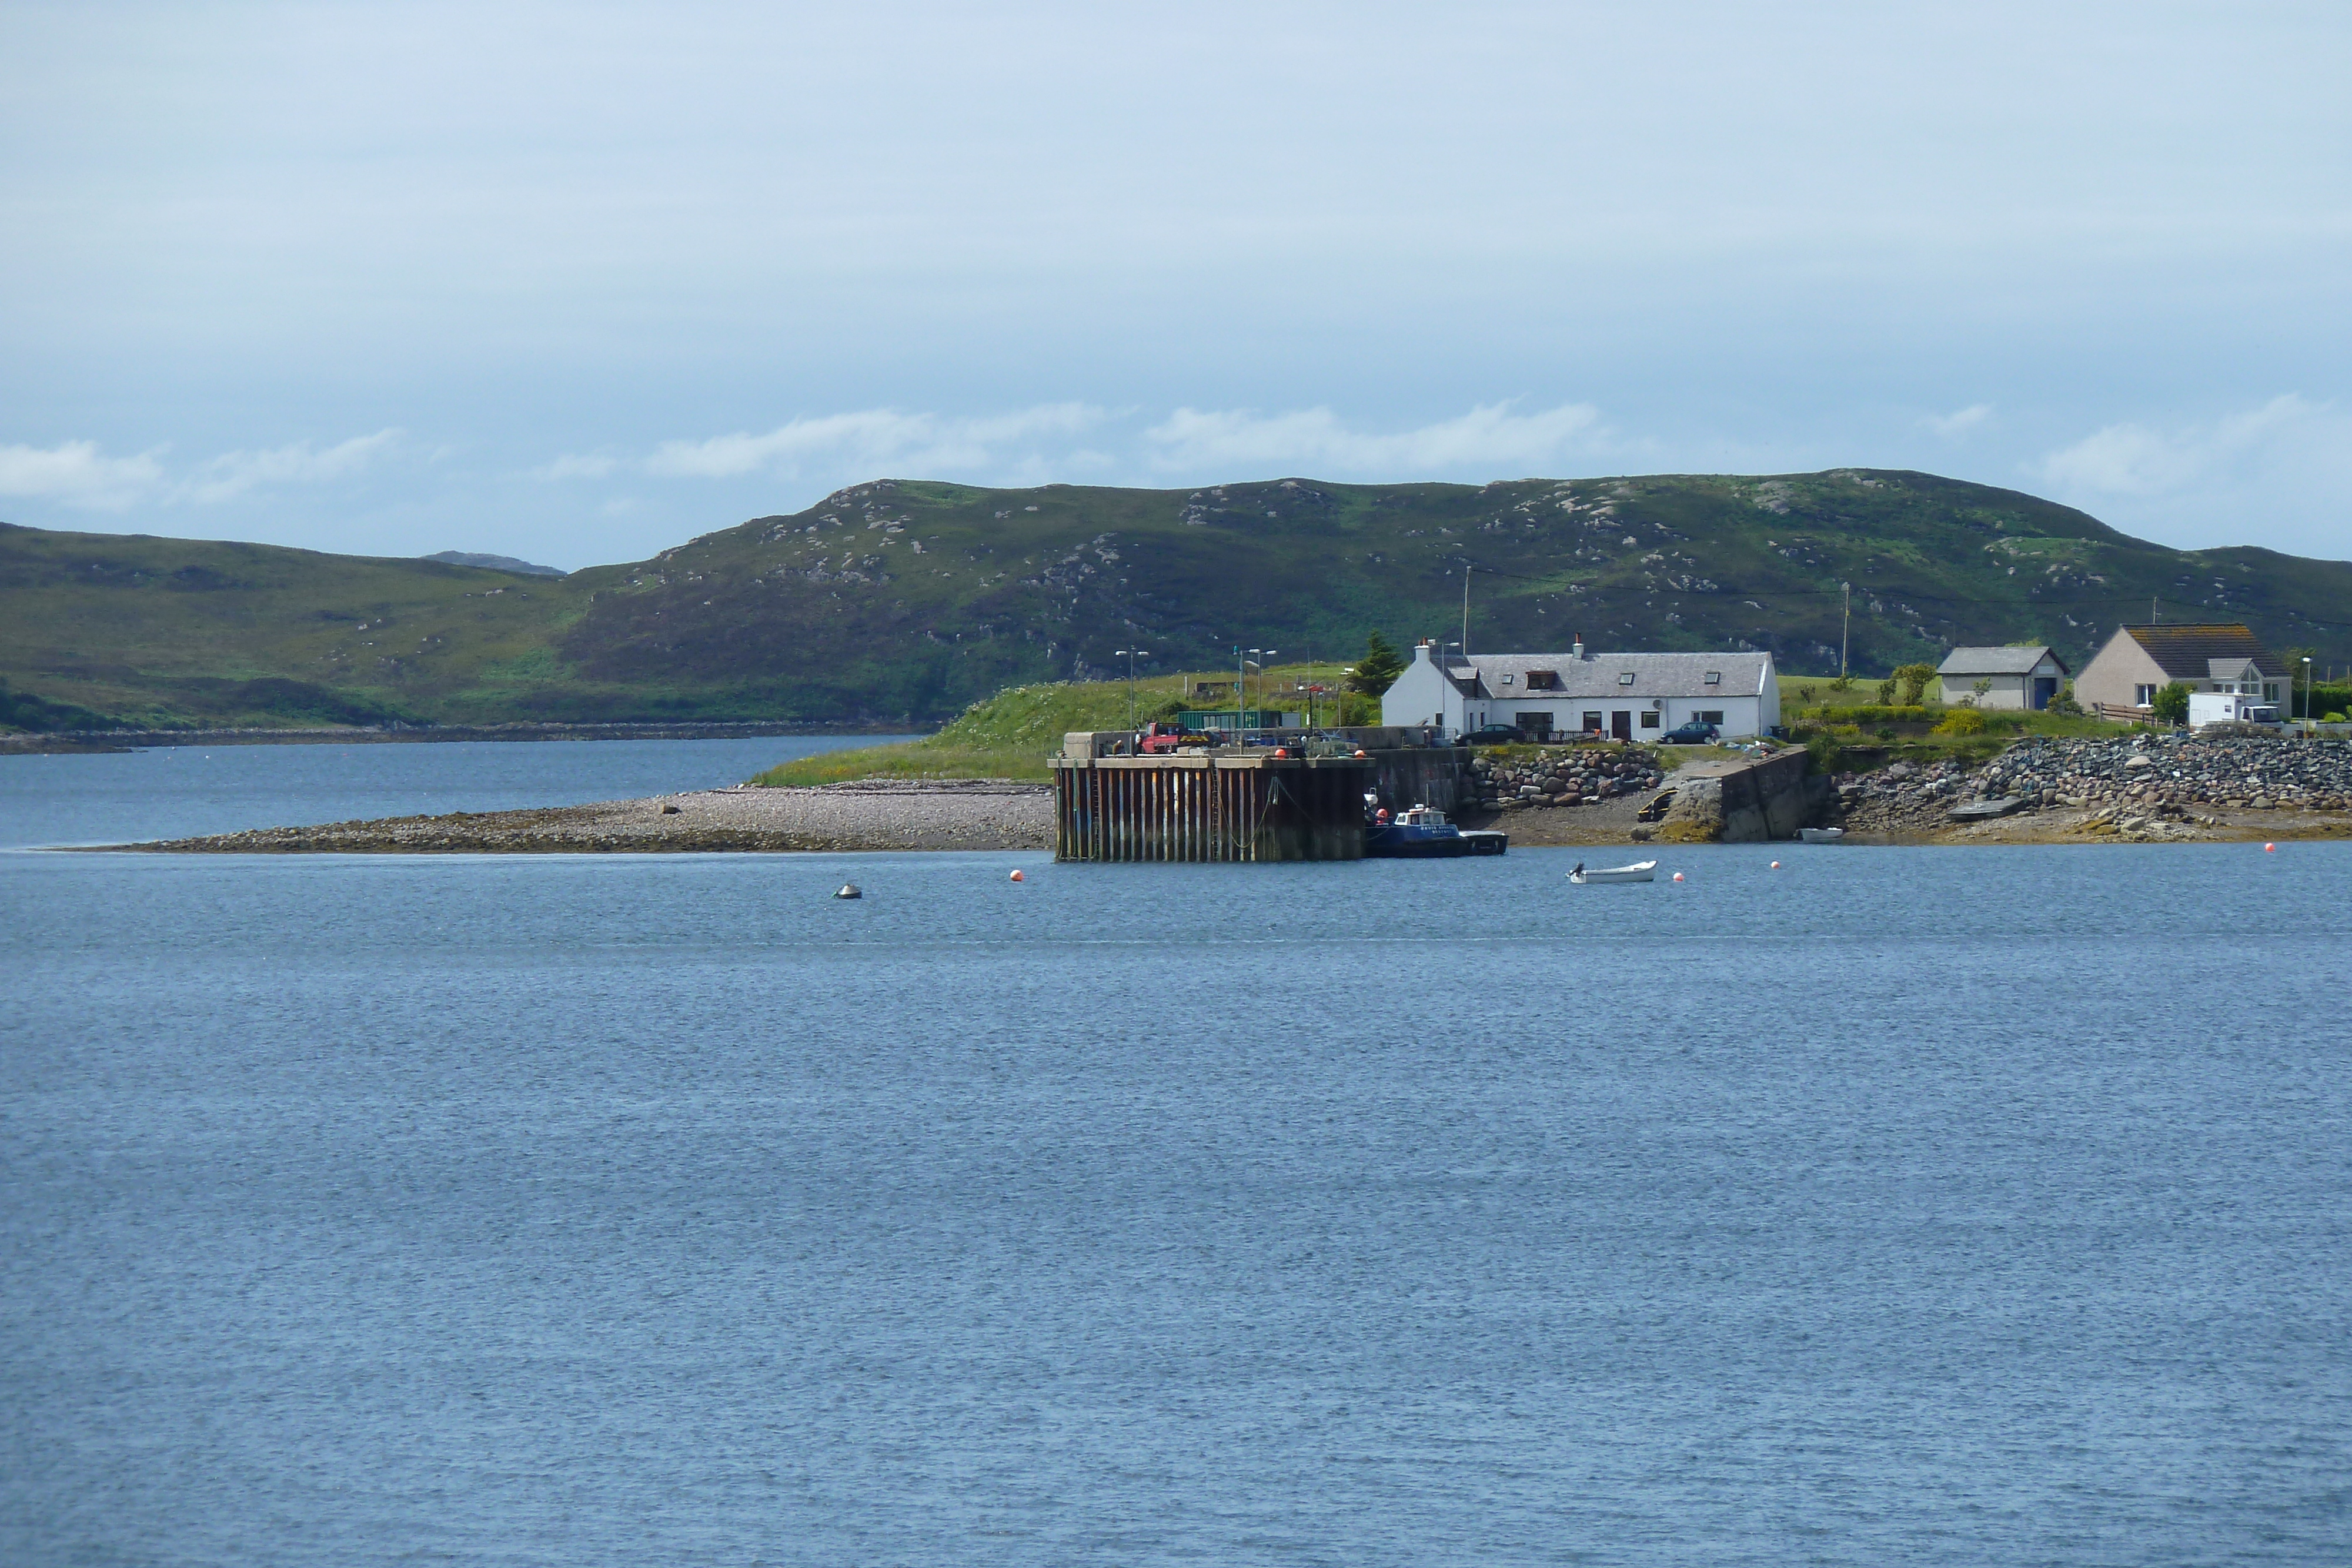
(2271, 475)
(2134, 460)
(78, 473)
(573, 466)
(1316, 439)
(1952, 426)
(232, 474)
(918, 442)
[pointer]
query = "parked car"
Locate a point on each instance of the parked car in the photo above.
(1691, 734)
(1493, 735)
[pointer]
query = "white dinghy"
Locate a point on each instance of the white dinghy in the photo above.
(1820, 835)
(1640, 871)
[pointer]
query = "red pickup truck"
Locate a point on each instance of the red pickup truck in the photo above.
(1157, 738)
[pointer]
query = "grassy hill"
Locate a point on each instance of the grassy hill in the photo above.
(902, 602)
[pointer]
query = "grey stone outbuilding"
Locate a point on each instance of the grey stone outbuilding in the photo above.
(2013, 677)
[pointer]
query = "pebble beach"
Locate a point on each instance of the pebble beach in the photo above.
(875, 814)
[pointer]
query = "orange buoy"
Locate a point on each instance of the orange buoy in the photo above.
(1678, 877)
(1018, 877)
(2269, 849)
(1359, 751)
(1283, 751)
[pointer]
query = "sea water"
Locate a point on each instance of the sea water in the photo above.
(1899, 1206)
(180, 792)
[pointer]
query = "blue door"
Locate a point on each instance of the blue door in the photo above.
(2045, 688)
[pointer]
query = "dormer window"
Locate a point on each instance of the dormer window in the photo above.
(1625, 677)
(1543, 680)
(1715, 677)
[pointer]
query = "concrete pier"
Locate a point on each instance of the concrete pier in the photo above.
(1209, 806)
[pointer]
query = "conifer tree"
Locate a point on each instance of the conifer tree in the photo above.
(1378, 669)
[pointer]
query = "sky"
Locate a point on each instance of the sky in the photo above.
(576, 282)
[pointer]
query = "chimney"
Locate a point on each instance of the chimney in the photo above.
(1579, 650)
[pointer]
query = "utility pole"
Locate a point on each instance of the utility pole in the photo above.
(2154, 614)
(1131, 654)
(1845, 628)
(1466, 610)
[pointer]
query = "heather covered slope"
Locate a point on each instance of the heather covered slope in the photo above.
(905, 601)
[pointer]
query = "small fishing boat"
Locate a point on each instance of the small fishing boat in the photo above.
(1820, 835)
(1423, 833)
(1640, 871)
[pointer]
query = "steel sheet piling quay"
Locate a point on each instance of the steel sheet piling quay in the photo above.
(1214, 805)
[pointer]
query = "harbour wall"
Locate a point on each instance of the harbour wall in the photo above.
(1745, 802)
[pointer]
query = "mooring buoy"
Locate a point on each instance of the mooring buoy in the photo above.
(850, 890)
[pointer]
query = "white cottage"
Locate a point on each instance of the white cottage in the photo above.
(1628, 696)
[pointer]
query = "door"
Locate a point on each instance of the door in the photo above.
(1621, 725)
(2045, 688)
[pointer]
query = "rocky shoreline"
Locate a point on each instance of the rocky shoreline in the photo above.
(875, 814)
(2143, 789)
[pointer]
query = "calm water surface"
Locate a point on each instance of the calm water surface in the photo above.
(179, 792)
(1898, 1206)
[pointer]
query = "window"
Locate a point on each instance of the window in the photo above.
(1508, 679)
(1711, 715)
(1533, 723)
(1543, 680)
(1625, 677)
(1591, 722)
(1715, 677)
(1650, 719)
(2270, 692)
(2143, 695)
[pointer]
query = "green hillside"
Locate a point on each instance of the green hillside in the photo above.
(903, 601)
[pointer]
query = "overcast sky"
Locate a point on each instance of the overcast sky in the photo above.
(575, 283)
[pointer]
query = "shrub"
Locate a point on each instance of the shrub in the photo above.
(1914, 679)
(2063, 704)
(1963, 721)
(1885, 732)
(2334, 718)
(2171, 704)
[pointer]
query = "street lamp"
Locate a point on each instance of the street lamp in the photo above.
(1130, 655)
(2307, 688)
(1270, 652)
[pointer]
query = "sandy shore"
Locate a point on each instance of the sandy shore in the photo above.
(975, 814)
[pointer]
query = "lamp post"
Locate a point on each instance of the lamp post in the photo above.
(2307, 688)
(1130, 655)
(1262, 663)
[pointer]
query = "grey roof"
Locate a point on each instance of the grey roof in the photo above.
(1655, 674)
(1996, 661)
(2231, 669)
